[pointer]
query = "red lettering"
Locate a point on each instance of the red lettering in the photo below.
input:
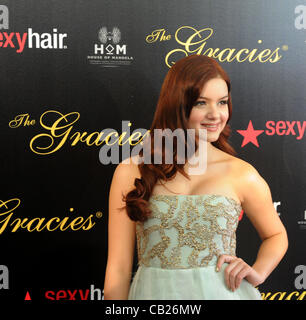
(270, 125)
(72, 294)
(86, 294)
(48, 295)
(69, 294)
(61, 294)
(286, 128)
(21, 41)
(301, 130)
(9, 39)
(290, 127)
(279, 126)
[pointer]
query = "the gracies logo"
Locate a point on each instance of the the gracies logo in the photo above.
(59, 130)
(7, 220)
(193, 41)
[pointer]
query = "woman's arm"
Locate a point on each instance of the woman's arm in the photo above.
(257, 203)
(121, 236)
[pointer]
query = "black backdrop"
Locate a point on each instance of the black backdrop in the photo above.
(123, 83)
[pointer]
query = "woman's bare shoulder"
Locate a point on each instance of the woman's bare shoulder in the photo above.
(243, 167)
(247, 179)
(128, 168)
(124, 177)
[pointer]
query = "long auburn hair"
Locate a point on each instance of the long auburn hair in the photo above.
(179, 92)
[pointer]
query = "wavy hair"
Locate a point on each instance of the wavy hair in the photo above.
(179, 92)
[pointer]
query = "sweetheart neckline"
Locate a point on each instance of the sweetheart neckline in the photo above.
(198, 195)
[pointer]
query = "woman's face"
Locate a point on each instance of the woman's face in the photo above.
(210, 109)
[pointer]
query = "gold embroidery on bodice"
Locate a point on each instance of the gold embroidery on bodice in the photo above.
(187, 231)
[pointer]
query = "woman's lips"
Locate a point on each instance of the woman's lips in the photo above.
(211, 127)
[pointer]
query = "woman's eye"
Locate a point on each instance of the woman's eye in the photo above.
(198, 103)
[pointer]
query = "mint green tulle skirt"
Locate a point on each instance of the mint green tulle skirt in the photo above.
(204, 283)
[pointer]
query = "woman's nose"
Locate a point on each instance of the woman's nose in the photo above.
(212, 110)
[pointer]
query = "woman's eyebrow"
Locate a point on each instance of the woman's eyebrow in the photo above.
(210, 99)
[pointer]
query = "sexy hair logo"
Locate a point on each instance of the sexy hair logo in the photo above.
(29, 39)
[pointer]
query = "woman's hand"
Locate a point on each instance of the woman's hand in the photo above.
(236, 271)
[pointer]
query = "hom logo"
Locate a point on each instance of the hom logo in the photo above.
(111, 39)
(114, 35)
(109, 50)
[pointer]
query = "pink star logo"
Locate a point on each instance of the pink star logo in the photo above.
(250, 135)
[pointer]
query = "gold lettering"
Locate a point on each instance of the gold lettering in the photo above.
(53, 129)
(277, 57)
(251, 55)
(227, 58)
(134, 136)
(5, 204)
(90, 223)
(97, 141)
(302, 295)
(121, 138)
(189, 42)
(263, 54)
(282, 294)
(19, 223)
(215, 55)
(60, 131)
(240, 52)
(265, 295)
(196, 42)
(75, 222)
(108, 137)
(209, 52)
(62, 224)
(154, 35)
(141, 140)
(18, 120)
(5, 222)
(47, 225)
(37, 227)
(170, 53)
(78, 138)
(39, 224)
(81, 137)
(291, 294)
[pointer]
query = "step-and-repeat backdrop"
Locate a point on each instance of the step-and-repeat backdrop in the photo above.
(74, 71)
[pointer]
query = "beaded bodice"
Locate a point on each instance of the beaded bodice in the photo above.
(187, 231)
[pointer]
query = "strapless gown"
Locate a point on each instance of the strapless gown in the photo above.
(178, 248)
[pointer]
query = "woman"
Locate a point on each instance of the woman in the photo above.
(185, 224)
